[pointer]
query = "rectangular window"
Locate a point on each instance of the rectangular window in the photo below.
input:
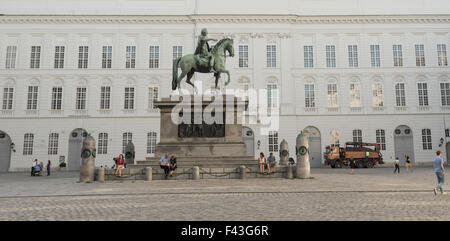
(56, 98)
(377, 94)
(353, 56)
(447, 132)
(154, 57)
(8, 97)
(11, 52)
(152, 96)
(28, 144)
(105, 97)
(127, 136)
(273, 141)
(177, 52)
(420, 55)
(151, 142)
(243, 56)
(445, 94)
(400, 98)
(59, 57)
(129, 98)
(308, 56)
(272, 96)
(53, 144)
(81, 98)
(381, 139)
(331, 56)
(102, 144)
(83, 54)
(357, 135)
(423, 94)
(442, 54)
(35, 59)
(107, 57)
(130, 62)
(398, 55)
(375, 60)
(426, 139)
(310, 100)
(271, 54)
(32, 98)
(332, 95)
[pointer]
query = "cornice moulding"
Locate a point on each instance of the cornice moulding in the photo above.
(234, 19)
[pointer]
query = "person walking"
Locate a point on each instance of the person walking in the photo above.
(352, 166)
(440, 171)
(408, 164)
(396, 165)
(262, 161)
(49, 165)
(120, 165)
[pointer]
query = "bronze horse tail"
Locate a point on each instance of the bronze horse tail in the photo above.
(176, 62)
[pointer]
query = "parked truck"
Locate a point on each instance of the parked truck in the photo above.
(364, 155)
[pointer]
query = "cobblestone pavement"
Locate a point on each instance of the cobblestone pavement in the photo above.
(370, 194)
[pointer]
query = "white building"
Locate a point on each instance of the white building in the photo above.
(345, 70)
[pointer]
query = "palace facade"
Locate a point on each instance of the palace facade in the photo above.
(341, 77)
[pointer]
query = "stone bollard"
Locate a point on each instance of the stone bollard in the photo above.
(88, 153)
(243, 172)
(303, 170)
(148, 174)
(100, 174)
(195, 173)
(290, 172)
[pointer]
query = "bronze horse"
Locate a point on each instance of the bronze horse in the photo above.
(191, 63)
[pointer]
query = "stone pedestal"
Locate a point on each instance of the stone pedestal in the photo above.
(204, 131)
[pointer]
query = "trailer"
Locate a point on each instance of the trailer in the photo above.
(361, 154)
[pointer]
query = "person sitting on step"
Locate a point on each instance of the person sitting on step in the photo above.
(172, 164)
(164, 163)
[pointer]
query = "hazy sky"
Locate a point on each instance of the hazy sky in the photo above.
(158, 7)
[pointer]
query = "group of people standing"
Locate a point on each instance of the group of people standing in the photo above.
(168, 164)
(38, 167)
(408, 165)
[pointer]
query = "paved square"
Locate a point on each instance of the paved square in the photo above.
(333, 194)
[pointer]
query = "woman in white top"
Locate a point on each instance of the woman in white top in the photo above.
(262, 161)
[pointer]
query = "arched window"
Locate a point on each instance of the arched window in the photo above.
(53, 143)
(28, 140)
(102, 144)
(334, 137)
(273, 141)
(355, 95)
(127, 136)
(381, 138)
(426, 139)
(8, 96)
(357, 135)
(151, 142)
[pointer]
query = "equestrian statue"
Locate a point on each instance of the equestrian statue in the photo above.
(204, 60)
